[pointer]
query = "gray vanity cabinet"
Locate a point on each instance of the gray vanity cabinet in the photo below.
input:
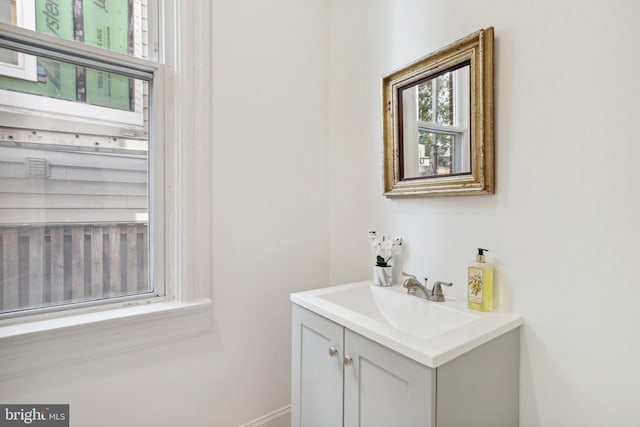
(341, 378)
(383, 388)
(316, 395)
(373, 386)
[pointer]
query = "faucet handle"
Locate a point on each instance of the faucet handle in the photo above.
(413, 278)
(444, 283)
(437, 289)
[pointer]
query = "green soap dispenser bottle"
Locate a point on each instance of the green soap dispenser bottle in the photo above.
(480, 283)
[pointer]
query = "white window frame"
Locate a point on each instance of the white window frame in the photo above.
(23, 102)
(27, 68)
(180, 205)
(84, 55)
(413, 126)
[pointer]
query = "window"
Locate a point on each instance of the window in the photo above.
(177, 118)
(437, 139)
(75, 145)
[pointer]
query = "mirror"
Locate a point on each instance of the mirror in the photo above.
(438, 122)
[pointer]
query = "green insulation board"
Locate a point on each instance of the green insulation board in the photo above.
(103, 23)
(106, 24)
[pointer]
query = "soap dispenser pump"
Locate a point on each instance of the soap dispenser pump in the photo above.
(480, 283)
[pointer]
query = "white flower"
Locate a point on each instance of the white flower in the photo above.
(384, 247)
(397, 246)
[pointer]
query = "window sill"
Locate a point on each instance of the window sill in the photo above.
(67, 340)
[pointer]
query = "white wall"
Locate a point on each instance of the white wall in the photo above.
(563, 226)
(270, 229)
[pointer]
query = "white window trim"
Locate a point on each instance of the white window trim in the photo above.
(101, 115)
(183, 207)
(29, 347)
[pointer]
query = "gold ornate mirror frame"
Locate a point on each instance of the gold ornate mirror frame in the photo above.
(476, 50)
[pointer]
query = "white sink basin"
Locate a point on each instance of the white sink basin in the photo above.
(410, 314)
(429, 332)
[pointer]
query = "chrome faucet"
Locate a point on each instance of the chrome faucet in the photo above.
(412, 284)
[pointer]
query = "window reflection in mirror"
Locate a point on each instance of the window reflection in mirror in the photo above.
(435, 129)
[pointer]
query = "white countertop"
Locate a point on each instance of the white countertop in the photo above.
(431, 333)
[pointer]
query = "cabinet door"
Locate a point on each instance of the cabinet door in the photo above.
(383, 388)
(316, 378)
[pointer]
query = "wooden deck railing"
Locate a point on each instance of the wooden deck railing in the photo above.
(57, 263)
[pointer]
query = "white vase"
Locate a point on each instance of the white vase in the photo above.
(382, 276)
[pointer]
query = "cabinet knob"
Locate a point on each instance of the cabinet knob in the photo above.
(347, 360)
(333, 351)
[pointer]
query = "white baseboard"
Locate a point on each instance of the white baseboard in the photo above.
(278, 418)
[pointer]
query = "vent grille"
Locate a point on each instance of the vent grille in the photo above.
(36, 167)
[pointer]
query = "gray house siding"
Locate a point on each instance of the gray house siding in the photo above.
(78, 187)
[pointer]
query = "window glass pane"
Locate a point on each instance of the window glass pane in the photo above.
(8, 16)
(8, 57)
(71, 91)
(117, 25)
(425, 101)
(8, 12)
(441, 103)
(444, 113)
(73, 187)
(435, 153)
